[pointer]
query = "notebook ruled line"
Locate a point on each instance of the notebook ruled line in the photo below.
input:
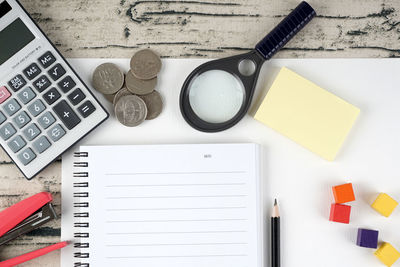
(179, 232)
(203, 196)
(182, 244)
(172, 173)
(162, 185)
(189, 220)
(194, 208)
(179, 256)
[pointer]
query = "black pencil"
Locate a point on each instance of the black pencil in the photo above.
(275, 237)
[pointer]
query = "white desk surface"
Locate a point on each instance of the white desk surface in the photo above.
(299, 179)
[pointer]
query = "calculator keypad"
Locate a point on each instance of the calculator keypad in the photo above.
(66, 84)
(17, 143)
(51, 96)
(31, 132)
(41, 145)
(4, 94)
(2, 118)
(11, 107)
(32, 71)
(26, 95)
(29, 126)
(56, 72)
(56, 132)
(26, 156)
(66, 114)
(46, 120)
(42, 83)
(21, 119)
(17, 82)
(47, 60)
(7, 131)
(76, 96)
(36, 107)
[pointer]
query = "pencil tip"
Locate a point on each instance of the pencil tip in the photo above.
(276, 202)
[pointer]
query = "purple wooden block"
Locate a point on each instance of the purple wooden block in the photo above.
(367, 238)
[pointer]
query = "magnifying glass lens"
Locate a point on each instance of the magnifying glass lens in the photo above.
(216, 96)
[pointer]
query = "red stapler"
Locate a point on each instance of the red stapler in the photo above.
(22, 218)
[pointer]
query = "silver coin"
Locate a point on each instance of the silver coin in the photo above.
(139, 87)
(130, 110)
(119, 94)
(154, 104)
(108, 78)
(110, 98)
(145, 64)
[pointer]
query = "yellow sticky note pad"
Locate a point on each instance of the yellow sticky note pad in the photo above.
(307, 114)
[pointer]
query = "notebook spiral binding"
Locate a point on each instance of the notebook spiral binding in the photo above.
(81, 204)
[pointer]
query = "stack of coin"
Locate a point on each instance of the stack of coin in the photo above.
(133, 95)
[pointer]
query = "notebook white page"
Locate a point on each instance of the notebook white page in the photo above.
(174, 205)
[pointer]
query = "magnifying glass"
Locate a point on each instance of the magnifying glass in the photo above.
(217, 94)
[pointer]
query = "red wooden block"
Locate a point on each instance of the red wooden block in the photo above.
(343, 193)
(340, 213)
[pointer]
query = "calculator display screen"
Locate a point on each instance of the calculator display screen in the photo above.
(13, 38)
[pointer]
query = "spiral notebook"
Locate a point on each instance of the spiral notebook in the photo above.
(162, 205)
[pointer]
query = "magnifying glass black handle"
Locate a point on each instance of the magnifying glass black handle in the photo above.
(285, 30)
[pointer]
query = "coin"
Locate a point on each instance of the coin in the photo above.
(139, 87)
(108, 78)
(145, 64)
(121, 93)
(110, 98)
(154, 104)
(130, 110)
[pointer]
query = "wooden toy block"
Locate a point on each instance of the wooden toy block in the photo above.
(387, 254)
(367, 238)
(340, 213)
(343, 193)
(384, 204)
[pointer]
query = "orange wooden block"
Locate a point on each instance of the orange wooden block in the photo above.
(343, 193)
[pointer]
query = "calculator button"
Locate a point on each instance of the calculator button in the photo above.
(11, 107)
(56, 133)
(42, 83)
(36, 107)
(66, 114)
(51, 96)
(26, 95)
(22, 119)
(76, 96)
(41, 145)
(46, 120)
(56, 72)
(2, 118)
(86, 109)
(47, 59)
(7, 131)
(66, 84)
(4, 94)
(17, 82)
(32, 71)
(26, 156)
(17, 144)
(31, 132)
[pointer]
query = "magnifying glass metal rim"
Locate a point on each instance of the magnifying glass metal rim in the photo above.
(263, 51)
(229, 65)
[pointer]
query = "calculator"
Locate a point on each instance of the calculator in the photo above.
(45, 107)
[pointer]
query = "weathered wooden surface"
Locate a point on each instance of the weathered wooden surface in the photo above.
(117, 28)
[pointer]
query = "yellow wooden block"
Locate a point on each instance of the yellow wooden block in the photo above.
(307, 114)
(384, 204)
(387, 254)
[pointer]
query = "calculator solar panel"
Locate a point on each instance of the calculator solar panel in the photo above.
(45, 107)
